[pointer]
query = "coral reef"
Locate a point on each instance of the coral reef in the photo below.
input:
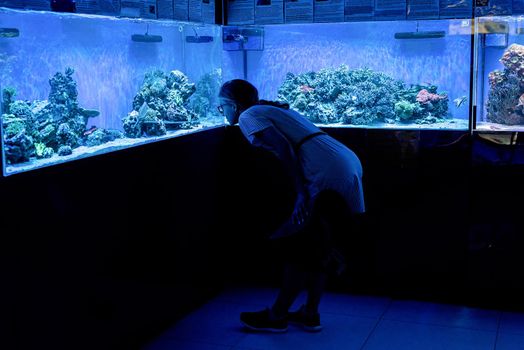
(163, 100)
(360, 97)
(42, 128)
(505, 104)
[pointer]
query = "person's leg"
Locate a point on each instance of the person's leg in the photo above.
(294, 280)
(316, 285)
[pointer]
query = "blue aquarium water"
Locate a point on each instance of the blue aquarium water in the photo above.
(405, 74)
(78, 85)
(500, 73)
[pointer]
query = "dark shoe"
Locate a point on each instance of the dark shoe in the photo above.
(309, 322)
(261, 321)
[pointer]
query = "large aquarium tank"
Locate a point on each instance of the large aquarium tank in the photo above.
(499, 68)
(80, 85)
(387, 74)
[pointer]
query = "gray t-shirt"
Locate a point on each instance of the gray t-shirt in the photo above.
(326, 163)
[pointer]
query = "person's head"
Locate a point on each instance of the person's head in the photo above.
(236, 96)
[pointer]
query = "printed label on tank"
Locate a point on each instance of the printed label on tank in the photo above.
(208, 11)
(181, 8)
(387, 10)
(241, 12)
(456, 9)
(165, 9)
(423, 9)
(328, 11)
(269, 11)
(195, 10)
(493, 7)
(298, 11)
(359, 10)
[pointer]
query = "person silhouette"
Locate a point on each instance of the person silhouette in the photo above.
(327, 178)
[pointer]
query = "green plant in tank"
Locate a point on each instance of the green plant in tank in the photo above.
(42, 151)
(404, 110)
(359, 97)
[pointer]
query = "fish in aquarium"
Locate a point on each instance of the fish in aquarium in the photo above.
(459, 101)
(43, 128)
(362, 97)
(505, 104)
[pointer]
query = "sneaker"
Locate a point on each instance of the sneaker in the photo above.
(261, 321)
(309, 322)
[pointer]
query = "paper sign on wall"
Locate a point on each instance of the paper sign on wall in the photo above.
(195, 10)
(208, 11)
(269, 11)
(241, 12)
(165, 9)
(423, 9)
(181, 10)
(359, 10)
(328, 11)
(389, 10)
(298, 11)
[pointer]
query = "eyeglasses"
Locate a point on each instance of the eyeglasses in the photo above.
(221, 107)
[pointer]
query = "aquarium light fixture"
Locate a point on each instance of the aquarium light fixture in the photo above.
(420, 35)
(9, 32)
(146, 38)
(198, 38)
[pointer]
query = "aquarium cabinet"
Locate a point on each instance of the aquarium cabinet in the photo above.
(499, 73)
(79, 85)
(390, 75)
(91, 84)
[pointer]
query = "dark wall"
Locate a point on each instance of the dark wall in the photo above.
(114, 249)
(436, 204)
(106, 251)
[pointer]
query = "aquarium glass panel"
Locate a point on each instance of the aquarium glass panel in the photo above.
(80, 85)
(401, 75)
(499, 65)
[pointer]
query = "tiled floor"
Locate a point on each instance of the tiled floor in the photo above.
(350, 322)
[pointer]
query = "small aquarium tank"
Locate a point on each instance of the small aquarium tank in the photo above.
(499, 66)
(400, 75)
(79, 85)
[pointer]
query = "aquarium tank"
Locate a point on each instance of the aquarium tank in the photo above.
(387, 74)
(80, 85)
(499, 78)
